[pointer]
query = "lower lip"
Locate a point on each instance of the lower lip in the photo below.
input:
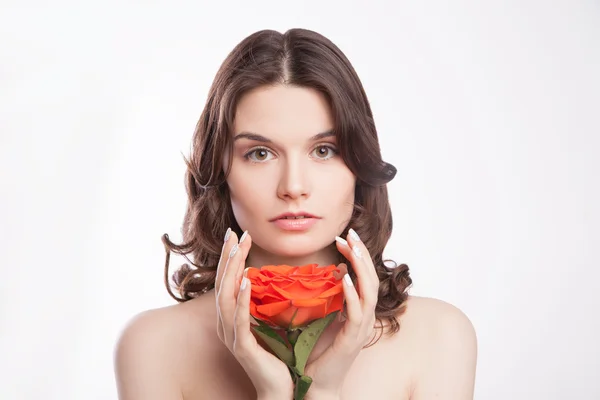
(301, 224)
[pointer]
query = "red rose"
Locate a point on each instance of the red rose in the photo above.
(292, 297)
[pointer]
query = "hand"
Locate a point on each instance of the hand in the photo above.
(329, 370)
(269, 375)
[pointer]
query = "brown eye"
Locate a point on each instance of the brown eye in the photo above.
(261, 154)
(257, 155)
(324, 152)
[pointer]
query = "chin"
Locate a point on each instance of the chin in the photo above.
(290, 251)
(300, 246)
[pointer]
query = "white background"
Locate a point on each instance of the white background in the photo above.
(489, 110)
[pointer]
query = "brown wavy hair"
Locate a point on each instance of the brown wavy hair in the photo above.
(301, 58)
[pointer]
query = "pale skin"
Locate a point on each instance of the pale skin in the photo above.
(203, 348)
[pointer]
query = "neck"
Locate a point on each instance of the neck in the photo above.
(259, 257)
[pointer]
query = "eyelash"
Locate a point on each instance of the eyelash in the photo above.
(255, 149)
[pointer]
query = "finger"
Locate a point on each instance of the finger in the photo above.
(235, 267)
(354, 241)
(227, 300)
(346, 341)
(367, 275)
(353, 306)
(245, 245)
(242, 334)
(357, 258)
(229, 241)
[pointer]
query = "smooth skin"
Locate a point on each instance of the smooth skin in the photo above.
(281, 163)
(268, 374)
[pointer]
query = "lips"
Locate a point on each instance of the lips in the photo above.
(293, 224)
(294, 216)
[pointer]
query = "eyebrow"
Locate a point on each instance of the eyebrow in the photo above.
(260, 138)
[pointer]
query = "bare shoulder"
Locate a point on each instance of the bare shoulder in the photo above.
(428, 323)
(437, 316)
(447, 348)
(151, 355)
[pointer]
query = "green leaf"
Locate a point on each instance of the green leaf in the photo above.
(262, 323)
(308, 338)
(276, 343)
(295, 371)
(302, 385)
(293, 336)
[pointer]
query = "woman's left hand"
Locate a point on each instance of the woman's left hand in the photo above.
(329, 370)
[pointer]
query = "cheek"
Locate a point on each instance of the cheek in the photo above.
(340, 186)
(248, 194)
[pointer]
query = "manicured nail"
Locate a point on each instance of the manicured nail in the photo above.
(245, 272)
(243, 236)
(244, 283)
(347, 280)
(357, 252)
(234, 250)
(341, 241)
(354, 235)
(227, 234)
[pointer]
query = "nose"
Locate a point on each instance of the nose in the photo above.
(294, 181)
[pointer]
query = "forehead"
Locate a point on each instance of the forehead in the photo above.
(283, 110)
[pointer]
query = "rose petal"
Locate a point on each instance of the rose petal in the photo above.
(296, 291)
(336, 303)
(311, 284)
(307, 315)
(252, 273)
(309, 302)
(256, 289)
(264, 279)
(283, 319)
(272, 309)
(332, 291)
(267, 297)
(306, 293)
(306, 270)
(277, 269)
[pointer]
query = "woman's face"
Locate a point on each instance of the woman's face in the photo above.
(285, 160)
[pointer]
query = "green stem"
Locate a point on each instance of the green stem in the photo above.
(293, 336)
(301, 388)
(307, 340)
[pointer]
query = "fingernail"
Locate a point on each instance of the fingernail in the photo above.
(245, 272)
(243, 236)
(354, 235)
(234, 250)
(347, 280)
(341, 241)
(227, 234)
(357, 252)
(244, 283)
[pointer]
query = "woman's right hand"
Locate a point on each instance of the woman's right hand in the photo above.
(269, 375)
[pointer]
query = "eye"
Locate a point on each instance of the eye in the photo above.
(323, 152)
(258, 154)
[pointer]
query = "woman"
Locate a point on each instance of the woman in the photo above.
(286, 166)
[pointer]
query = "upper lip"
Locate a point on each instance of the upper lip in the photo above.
(295, 214)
